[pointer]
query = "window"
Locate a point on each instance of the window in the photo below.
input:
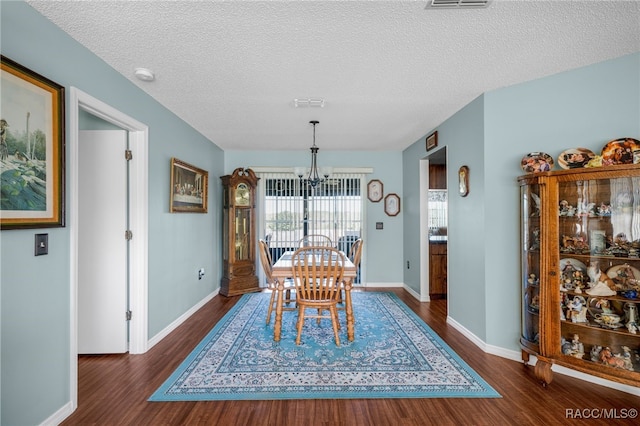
(291, 211)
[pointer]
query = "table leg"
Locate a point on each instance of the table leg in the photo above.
(349, 309)
(277, 329)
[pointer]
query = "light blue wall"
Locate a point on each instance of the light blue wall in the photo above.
(35, 291)
(383, 249)
(462, 135)
(586, 107)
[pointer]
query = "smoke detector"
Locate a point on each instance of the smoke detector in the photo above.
(144, 74)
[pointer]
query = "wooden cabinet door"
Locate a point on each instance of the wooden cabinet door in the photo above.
(438, 271)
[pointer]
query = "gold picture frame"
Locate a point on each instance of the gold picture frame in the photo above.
(189, 188)
(32, 149)
(432, 140)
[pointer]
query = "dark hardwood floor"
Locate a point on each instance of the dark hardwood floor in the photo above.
(113, 389)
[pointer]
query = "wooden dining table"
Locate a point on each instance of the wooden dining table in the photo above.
(282, 270)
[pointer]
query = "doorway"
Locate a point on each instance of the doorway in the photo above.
(138, 272)
(433, 225)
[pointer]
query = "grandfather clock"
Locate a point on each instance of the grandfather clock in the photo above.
(239, 230)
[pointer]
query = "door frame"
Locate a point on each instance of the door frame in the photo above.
(424, 230)
(424, 224)
(138, 135)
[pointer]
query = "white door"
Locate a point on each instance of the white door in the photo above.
(102, 247)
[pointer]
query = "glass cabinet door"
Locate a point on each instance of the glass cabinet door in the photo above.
(599, 246)
(242, 234)
(530, 228)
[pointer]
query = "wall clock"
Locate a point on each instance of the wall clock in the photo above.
(375, 190)
(392, 204)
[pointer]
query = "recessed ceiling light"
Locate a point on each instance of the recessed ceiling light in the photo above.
(144, 74)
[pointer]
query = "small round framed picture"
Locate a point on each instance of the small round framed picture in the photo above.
(463, 181)
(392, 204)
(375, 190)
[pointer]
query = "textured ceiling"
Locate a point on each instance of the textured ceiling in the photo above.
(389, 71)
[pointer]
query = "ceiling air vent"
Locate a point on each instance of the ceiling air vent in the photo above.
(459, 4)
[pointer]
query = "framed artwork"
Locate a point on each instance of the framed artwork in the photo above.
(392, 204)
(32, 149)
(463, 181)
(432, 140)
(375, 190)
(189, 188)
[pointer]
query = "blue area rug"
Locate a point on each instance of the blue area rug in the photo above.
(394, 355)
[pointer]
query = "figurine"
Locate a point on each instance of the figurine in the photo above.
(536, 201)
(602, 287)
(632, 328)
(595, 353)
(626, 356)
(577, 311)
(577, 348)
(594, 272)
(631, 316)
(573, 348)
(535, 303)
(586, 209)
(605, 305)
(605, 209)
(608, 358)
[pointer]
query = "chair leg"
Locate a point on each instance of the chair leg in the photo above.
(271, 303)
(300, 323)
(335, 323)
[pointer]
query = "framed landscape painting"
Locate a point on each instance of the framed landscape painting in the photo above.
(31, 149)
(188, 188)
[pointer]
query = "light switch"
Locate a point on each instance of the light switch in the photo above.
(42, 244)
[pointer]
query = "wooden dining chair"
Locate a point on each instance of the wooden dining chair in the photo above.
(317, 275)
(315, 240)
(355, 255)
(272, 284)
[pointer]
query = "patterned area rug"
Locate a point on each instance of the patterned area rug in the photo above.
(394, 355)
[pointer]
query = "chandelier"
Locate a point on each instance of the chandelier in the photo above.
(314, 176)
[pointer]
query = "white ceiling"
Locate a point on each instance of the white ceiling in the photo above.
(388, 71)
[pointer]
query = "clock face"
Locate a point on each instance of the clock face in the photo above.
(243, 196)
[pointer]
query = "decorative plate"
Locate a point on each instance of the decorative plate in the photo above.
(620, 274)
(535, 162)
(619, 151)
(570, 264)
(575, 158)
(568, 275)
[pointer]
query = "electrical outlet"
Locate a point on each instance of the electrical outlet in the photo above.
(201, 273)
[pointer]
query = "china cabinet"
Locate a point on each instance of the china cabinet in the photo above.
(238, 233)
(580, 280)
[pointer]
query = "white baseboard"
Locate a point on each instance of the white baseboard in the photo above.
(378, 285)
(182, 318)
(59, 416)
(517, 356)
